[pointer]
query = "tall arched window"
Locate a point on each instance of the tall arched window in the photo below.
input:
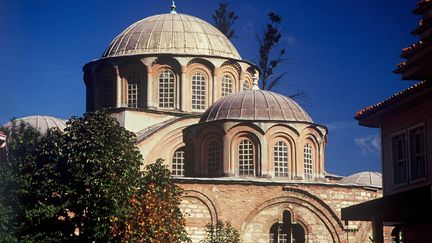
(308, 161)
(280, 157)
(246, 85)
(108, 98)
(213, 155)
(226, 85)
(198, 91)
(178, 162)
(246, 157)
(166, 89)
(133, 81)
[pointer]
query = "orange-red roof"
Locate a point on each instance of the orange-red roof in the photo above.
(392, 99)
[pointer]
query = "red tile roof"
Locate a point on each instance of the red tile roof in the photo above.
(404, 93)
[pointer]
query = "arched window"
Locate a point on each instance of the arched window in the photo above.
(178, 162)
(308, 161)
(246, 85)
(213, 155)
(280, 157)
(226, 85)
(287, 231)
(132, 90)
(108, 90)
(166, 89)
(246, 157)
(198, 91)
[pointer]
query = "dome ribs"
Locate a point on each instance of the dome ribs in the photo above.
(256, 105)
(184, 35)
(267, 109)
(41, 123)
(242, 104)
(279, 104)
(130, 36)
(230, 106)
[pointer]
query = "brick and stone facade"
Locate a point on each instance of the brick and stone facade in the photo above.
(244, 155)
(254, 206)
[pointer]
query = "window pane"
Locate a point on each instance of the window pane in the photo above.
(166, 89)
(198, 91)
(213, 157)
(281, 159)
(246, 157)
(226, 85)
(133, 81)
(308, 162)
(417, 153)
(246, 85)
(400, 168)
(178, 162)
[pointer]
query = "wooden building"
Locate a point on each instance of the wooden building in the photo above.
(405, 122)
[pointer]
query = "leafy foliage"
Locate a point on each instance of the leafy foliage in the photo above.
(81, 184)
(29, 182)
(155, 215)
(221, 233)
(224, 20)
(103, 171)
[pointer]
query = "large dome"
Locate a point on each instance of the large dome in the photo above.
(41, 123)
(172, 34)
(256, 105)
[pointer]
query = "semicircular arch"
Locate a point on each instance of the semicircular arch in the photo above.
(306, 200)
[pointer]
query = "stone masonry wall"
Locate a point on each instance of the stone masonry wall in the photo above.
(253, 207)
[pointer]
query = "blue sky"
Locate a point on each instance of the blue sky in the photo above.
(341, 53)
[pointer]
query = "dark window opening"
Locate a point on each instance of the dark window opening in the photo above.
(287, 231)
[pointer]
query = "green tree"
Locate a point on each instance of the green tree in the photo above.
(224, 20)
(221, 233)
(84, 184)
(29, 179)
(103, 172)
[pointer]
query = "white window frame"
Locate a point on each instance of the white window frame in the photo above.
(226, 85)
(199, 91)
(133, 81)
(308, 160)
(177, 162)
(166, 89)
(132, 92)
(246, 157)
(281, 158)
(244, 86)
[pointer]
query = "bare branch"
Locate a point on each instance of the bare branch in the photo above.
(224, 20)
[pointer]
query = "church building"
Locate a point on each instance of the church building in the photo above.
(241, 154)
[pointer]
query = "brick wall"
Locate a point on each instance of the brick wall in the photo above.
(253, 208)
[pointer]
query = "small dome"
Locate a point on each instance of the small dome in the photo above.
(256, 105)
(171, 34)
(365, 178)
(41, 123)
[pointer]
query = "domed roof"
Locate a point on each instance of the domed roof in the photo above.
(365, 178)
(171, 33)
(256, 105)
(41, 123)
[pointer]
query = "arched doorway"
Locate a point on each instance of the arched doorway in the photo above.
(287, 231)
